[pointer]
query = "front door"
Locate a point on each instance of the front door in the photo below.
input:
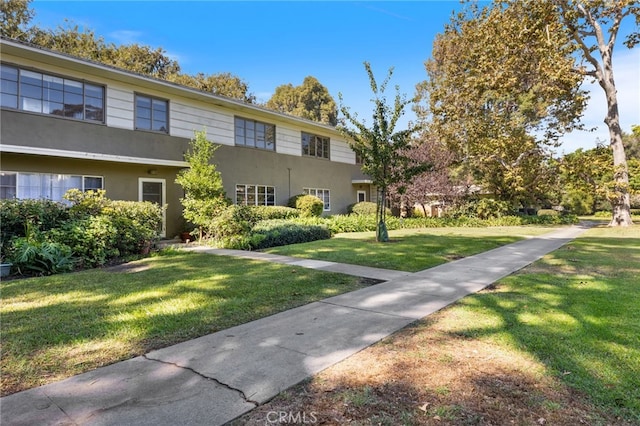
(154, 190)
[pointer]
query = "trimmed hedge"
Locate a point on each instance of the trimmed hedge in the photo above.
(278, 232)
(259, 213)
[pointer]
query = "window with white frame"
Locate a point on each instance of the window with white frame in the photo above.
(45, 185)
(315, 146)
(255, 195)
(323, 194)
(255, 134)
(42, 93)
(152, 114)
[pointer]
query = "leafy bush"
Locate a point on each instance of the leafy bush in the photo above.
(578, 202)
(309, 205)
(42, 214)
(548, 212)
(485, 208)
(232, 227)
(137, 224)
(278, 232)
(86, 203)
(35, 256)
(259, 213)
(94, 240)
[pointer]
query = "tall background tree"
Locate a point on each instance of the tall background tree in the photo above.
(384, 151)
(310, 100)
(593, 25)
(501, 91)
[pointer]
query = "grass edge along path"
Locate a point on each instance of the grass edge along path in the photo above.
(556, 343)
(409, 250)
(58, 326)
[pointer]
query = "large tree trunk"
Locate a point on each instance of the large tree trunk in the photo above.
(621, 202)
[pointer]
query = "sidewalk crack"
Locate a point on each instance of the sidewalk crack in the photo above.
(213, 379)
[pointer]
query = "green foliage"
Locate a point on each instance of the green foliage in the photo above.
(365, 207)
(231, 228)
(484, 208)
(311, 100)
(278, 232)
(309, 205)
(33, 255)
(42, 235)
(501, 92)
(384, 151)
(204, 195)
(548, 212)
(578, 201)
(259, 213)
(16, 214)
(94, 240)
(86, 203)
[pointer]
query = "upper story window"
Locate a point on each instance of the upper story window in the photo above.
(315, 146)
(255, 134)
(152, 114)
(47, 94)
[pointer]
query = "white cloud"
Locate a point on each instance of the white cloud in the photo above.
(626, 71)
(125, 36)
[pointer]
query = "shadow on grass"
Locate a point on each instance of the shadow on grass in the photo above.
(54, 327)
(578, 314)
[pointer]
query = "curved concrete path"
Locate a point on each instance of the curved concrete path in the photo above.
(216, 378)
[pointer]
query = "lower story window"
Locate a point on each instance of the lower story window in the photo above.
(44, 185)
(323, 194)
(255, 195)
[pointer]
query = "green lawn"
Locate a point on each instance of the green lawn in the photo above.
(58, 326)
(577, 311)
(409, 250)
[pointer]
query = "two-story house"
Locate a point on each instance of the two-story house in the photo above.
(71, 123)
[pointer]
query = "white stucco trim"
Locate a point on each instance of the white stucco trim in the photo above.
(361, 181)
(50, 152)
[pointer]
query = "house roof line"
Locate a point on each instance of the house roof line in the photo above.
(130, 75)
(51, 152)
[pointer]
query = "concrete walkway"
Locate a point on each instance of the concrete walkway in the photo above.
(216, 378)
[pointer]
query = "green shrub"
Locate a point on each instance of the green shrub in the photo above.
(259, 213)
(93, 240)
(33, 255)
(485, 208)
(548, 212)
(86, 203)
(42, 214)
(309, 205)
(578, 202)
(278, 232)
(232, 227)
(137, 224)
(602, 213)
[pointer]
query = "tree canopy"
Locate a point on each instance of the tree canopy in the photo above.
(501, 91)
(154, 62)
(310, 100)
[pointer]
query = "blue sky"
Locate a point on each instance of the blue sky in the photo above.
(268, 44)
